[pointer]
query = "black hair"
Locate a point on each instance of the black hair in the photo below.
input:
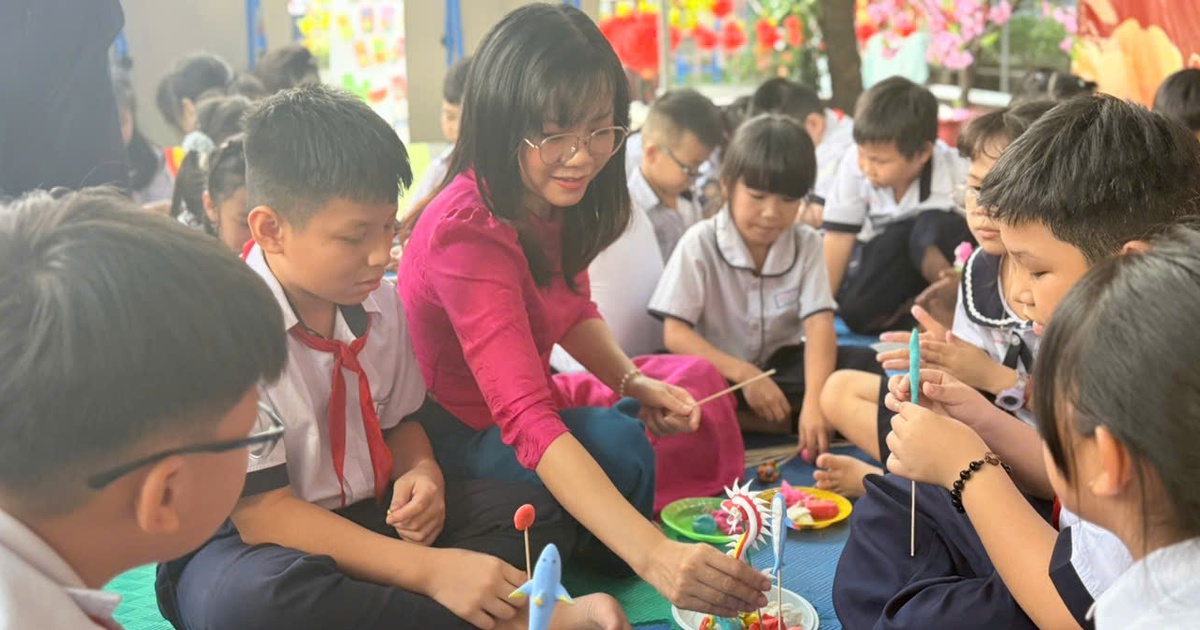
(454, 86)
(771, 153)
(685, 109)
(145, 160)
(542, 63)
(982, 134)
(897, 111)
(227, 169)
(1098, 172)
(1120, 353)
(732, 117)
(1179, 98)
(787, 97)
(218, 117)
(285, 68)
(193, 75)
(118, 327)
(313, 143)
(1049, 84)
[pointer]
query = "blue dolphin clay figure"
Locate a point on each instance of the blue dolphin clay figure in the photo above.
(545, 589)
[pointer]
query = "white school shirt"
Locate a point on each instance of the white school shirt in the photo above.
(984, 318)
(710, 284)
(838, 138)
(633, 154)
(1086, 562)
(1160, 592)
(39, 590)
(301, 398)
(623, 278)
(669, 223)
(854, 206)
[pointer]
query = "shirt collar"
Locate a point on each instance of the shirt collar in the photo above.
(1162, 576)
(780, 259)
(640, 192)
(38, 554)
(258, 263)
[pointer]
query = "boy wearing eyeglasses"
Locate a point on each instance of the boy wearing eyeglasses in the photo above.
(128, 406)
(681, 132)
(351, 515)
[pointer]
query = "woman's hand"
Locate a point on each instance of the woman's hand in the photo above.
(666, 409)
(700, 578)
(930, 447)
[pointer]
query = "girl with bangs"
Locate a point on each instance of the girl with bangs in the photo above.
(749, 291)
(493, 275)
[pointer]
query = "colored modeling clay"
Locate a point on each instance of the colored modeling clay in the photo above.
(704, 524)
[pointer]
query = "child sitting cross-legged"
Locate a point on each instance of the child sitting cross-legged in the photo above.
(128, 406)
(747, 289)
(351, 515)
(990, 348)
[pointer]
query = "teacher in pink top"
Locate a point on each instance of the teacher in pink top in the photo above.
(494, 274)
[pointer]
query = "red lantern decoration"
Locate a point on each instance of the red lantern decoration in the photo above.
(795, 30)
(706, 39)
(722, 8)
(634, 38)
(767, 34)
(733, 37)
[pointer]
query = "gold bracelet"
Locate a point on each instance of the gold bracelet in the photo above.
(625, 381)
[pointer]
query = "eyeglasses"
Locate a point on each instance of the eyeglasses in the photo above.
(691, 173)
(269, 429)
(561, 147)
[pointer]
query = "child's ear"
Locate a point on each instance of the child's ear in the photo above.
(157, 501)
(1114, 465)
(650, 152)
(1135, 247)
(267, 228)
(814, 124)
(210, 208)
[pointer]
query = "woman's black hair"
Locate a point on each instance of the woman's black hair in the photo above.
(218, 117)
(227, 169)
(541, 64)
(995, 130)
(1121, 353)
(193, 75)
(772, 153)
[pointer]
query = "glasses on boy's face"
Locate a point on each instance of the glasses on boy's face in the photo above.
(692, 174)
(561, 147)
(268, 431)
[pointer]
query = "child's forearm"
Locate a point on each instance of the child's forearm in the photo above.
(680, 338)
(280, 518)
(1020, 544)
(838, 248)
(581, 486)
(1019, 445)
(820, 355)
(410, 448)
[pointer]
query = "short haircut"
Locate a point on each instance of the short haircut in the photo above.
(771, 153)
(1179, 98)
(1049, 84)
(996, 130)
(1120, 353)
(226, 169)
(117, 327)
(313, 143)
(220, 116)
(285, 68)
(897, 111)
(455, 83)
(1098, 172)
(193, 75)
(787, 97)
(685, 110)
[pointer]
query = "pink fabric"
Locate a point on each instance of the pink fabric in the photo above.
(481, 328)
(689, 465)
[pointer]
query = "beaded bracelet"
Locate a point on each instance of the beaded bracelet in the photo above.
(625, 381)
(956, 493)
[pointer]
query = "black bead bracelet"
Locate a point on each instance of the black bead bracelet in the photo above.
(956, 492)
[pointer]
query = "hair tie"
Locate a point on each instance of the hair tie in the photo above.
(198, 141)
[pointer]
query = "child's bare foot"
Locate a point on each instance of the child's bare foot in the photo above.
(843, 474)
(590, 612)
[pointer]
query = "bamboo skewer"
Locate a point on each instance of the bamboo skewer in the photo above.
(730, 390)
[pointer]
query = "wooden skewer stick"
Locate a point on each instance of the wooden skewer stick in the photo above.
(528, 565)
(744, 383)
(914, 377)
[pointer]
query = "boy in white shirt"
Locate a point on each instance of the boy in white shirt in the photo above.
(128, 407)
(352, 515)
(891, 223)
